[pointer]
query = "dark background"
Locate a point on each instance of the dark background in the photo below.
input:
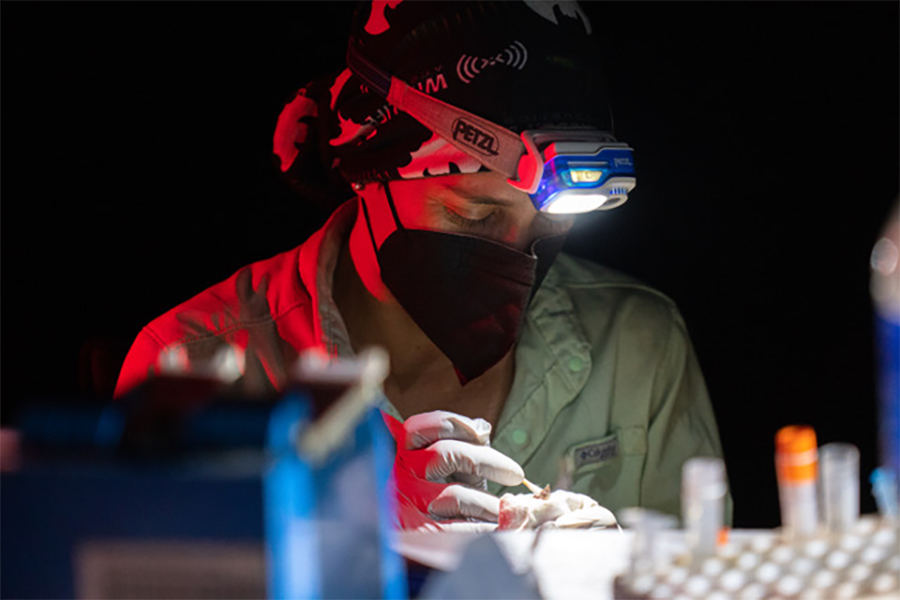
(136, 172)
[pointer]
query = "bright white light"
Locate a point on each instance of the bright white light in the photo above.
(570, 204)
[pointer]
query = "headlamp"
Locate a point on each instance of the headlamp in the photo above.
(564, 171)
(574, 171)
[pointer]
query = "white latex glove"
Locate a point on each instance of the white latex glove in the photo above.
(441, 470)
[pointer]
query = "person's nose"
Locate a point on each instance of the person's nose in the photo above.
(520, 235)
(533, 228)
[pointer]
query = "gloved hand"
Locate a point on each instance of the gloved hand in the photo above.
(441, 470)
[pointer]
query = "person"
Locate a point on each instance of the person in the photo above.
(508, 357)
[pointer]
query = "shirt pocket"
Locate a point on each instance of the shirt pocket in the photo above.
(609, 468)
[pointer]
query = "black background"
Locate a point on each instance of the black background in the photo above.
(137, 171)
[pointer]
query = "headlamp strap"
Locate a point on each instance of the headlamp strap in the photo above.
(495, 147)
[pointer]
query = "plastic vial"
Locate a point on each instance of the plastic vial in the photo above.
(851, 542)
(824, 579)
(867, 525)
(762, 542)
(712, 567)
(796, 462)
(838, 560)
(643, 583)
(768, 572)
(872, 555)
(847, 589)
(646, 554)
(678, 575)
(839, 470)
(729, 550)
(782, 554)
(884, 488)
(893, 563)
(703, 503)
(859, 573)
(810, 593)
(748, 561)
(789, 585)
(803, 566)
(885, 537)
(816, 548)
(884, 583)
(754, 591)
(697, 586)
(732, 580)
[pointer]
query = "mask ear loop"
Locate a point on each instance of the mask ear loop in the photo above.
(362, 202)
(390, 199)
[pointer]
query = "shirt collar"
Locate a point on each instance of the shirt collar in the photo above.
(553, 362)
(318, 259)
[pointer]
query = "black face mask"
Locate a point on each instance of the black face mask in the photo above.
(467, 294)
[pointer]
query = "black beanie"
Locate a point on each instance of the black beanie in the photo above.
(522, 65)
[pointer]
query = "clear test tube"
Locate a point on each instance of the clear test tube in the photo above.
(647, 555)
(839, 477)
(702, 505)
(796, 462)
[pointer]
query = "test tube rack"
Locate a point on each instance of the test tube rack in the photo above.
(861, 563)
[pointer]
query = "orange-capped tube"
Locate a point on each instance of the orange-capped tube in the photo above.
(796, 464)
(796, 453)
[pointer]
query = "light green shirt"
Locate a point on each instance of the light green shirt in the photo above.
(606, 380)
(607, 389)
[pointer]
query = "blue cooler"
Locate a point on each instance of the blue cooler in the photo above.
(226, 500)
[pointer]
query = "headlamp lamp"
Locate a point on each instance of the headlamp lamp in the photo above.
(574, 171)
(564, 171)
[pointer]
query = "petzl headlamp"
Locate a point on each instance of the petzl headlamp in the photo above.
(564, 171)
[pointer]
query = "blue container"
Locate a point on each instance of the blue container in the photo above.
(328, 522)
(887, 336)
(223, 506)
(885, 290)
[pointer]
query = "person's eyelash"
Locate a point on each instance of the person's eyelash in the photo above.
(462, 221)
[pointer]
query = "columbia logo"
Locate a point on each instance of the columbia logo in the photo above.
(596, 453)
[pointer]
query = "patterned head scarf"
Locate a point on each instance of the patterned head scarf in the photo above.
(519, 64)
